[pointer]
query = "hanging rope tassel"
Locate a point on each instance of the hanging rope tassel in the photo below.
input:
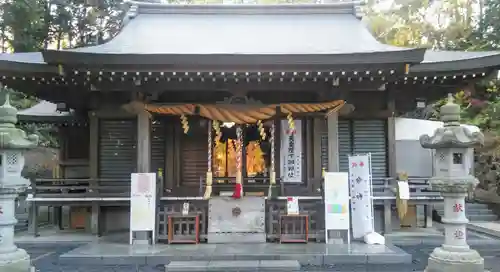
(401, 204)
(185, 123)
(238, 188)
(291, 124)
(262, 131)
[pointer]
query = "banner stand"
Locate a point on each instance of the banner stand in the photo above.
(143, 205)
(336, 201)
(361, 189)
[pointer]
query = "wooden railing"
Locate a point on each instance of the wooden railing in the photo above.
(79, 189)
(97, 189)
(86, 191)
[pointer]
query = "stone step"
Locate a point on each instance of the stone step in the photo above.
(468, 206)
(232, 266)
(475, 208)
(482, 217)
(484, 211)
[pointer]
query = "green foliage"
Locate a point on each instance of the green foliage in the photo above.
(453, 25)
(446, 24)
(24, 20)
(33, 25)
(488, 31)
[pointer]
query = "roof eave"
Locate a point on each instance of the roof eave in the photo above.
(13, 67)
(69, 58)
(47, 119)
(22, 63)
(484, 62)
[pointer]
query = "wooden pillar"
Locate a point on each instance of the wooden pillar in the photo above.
(333, 142)
(33, 215)
(277, 138)
(391, 140)
(391, 156)
(428, 216)
(95, 224)
(143, 157)
(169, 158)
(143, 142)
(319, 127)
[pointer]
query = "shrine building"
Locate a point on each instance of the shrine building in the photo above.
(254, 102)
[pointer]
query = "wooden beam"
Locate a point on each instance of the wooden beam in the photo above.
(391, 134)
(239, 68)
(188, 84)
(372, 114)
(113, 112)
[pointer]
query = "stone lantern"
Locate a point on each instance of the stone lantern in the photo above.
(453, 180)
(13, 142)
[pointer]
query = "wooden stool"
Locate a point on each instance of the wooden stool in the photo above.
(184, 222)
(298, 222)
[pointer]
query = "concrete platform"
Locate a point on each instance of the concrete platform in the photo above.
(305, 254)
(489, 228)
(435, 236)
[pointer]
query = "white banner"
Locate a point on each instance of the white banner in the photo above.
(143, 202)
(336, 191)
(361, 195)
(291, 152)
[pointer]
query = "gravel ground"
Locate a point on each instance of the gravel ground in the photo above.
(45, 257)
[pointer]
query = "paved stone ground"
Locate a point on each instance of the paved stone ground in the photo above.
(45, 257)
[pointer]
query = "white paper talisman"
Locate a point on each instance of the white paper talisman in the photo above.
(404, 190)
(292, 207)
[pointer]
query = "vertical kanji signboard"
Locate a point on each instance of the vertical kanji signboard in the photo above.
(360, 185)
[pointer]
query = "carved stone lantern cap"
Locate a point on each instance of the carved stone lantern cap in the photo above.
(10, 136)
(451, 135)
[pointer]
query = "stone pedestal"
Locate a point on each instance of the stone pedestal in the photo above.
(16, 261)
(442, 260)
(12, 259)
(455, 255)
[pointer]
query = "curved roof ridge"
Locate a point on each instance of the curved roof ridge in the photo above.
(341, 7)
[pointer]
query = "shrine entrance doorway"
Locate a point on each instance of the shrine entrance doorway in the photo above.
(255, 160)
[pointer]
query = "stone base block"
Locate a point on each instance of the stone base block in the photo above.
(235, 237)
(17, 261)
(442, 260)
